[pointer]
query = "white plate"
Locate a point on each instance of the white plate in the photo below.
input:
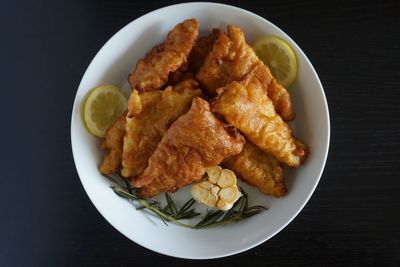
(112, 65)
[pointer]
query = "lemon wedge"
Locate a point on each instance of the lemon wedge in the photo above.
(103, 106)
(279, 57)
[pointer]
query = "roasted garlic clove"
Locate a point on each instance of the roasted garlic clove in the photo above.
(218, 190)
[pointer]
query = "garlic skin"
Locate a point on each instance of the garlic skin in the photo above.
(219, 190)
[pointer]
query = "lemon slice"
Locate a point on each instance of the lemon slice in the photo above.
(279, 57)
(103, 106)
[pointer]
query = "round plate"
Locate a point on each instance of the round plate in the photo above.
(115, 61)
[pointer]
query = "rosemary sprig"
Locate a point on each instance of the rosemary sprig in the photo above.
(171, 213)
(151, 205)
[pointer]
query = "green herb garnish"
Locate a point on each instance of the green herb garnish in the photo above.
(172, 213)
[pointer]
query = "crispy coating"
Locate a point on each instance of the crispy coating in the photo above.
(149, 116)
(246, 106)
(197, 140)
(184, 72)
(281, 100)
(113, 143)
(196, 58)
(200, 51)
(258, 169)
(232, 59)
(152, 71)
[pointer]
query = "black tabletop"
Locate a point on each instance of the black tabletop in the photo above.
(352, 218)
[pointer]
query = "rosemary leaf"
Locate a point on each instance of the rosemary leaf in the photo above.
(171, 205)
(128, 186)
(187, 215)
(186, 206)
(210, 218)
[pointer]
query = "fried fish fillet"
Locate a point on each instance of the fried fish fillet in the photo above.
(232, 59)
(149, 116)
(152, 71)
(113, 143)
(258, 169)
(200, 51)
(196, 57)
(246, 106)
(197, 140)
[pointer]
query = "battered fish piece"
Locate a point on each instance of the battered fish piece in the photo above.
(149, 116)
(197, 140)
(196, 57)
(258, 169)
(232, 59)
(113, 143)
(200, 51)
(246, 106)
(152, 71)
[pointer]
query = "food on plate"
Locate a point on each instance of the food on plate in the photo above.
(279, 57)
(152, 71)
(113, 143)
(218, 190)
(195, 141)
(197, 103)
(246, 106)
(102, 107)
(150, 114)
(259, 169)
(232, 59)
(196, 57)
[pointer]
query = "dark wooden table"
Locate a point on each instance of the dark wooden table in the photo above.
(351, 220)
